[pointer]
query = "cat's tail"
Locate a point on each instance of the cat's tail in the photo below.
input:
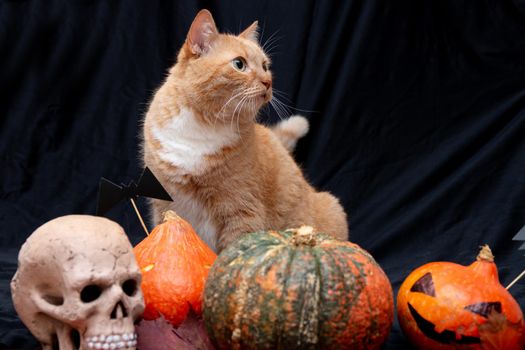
(290, 130)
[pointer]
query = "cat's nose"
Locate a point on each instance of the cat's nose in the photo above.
(267, 83)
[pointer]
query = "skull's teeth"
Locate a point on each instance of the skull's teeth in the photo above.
(112, 341)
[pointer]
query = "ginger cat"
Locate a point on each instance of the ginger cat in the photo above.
(227, 174)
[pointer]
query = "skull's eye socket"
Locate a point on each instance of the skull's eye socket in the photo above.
(129, 287)
(90, 293)
(424, 285)
(54, 299)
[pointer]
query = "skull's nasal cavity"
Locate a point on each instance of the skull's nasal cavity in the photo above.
(119, 311)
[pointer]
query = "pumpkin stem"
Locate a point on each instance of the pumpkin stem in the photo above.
(169, 215)
(304, 235)
(485, 254)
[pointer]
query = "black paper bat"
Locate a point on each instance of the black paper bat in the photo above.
(110, 194)
(520, 236)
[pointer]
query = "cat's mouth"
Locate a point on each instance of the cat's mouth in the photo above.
(266, 96)
(262, 96)
(262, 99)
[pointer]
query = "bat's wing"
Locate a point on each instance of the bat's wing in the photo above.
(109, 194)
(149, 186)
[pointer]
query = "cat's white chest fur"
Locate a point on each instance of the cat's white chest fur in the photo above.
(186, 142)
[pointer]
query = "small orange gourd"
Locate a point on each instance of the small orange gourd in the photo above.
(174, 262)
(442, 305)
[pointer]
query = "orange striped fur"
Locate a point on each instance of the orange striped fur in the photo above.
(227, 174)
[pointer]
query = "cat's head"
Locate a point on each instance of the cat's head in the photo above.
(229, 74)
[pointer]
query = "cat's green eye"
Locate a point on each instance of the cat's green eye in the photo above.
(266, 66)
(239, 63)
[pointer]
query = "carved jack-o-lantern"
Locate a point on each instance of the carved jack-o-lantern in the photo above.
(441, 306)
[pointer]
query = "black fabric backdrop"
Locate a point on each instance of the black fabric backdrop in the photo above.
(417, 112)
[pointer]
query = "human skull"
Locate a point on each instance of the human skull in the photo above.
(78, 285)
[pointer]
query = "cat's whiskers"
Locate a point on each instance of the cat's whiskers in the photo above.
(281, 113)
(238, 119)
(239, 108)
(283, 95)
(270, 43)
(250, 104)
(248, 100)
(253, 103)
(240, 92)
(283, 109)
(245, 99)
(221, 114)
(235, 93)
(254, 110)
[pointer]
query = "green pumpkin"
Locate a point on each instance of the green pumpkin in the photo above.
(297, 289)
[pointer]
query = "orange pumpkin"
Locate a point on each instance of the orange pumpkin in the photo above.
(443, 305)
(174, 262)
(297, 289)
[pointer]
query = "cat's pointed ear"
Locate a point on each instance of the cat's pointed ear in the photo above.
(202, 32)
(252, 32)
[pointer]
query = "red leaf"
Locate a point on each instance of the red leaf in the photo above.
(159, 334)
(498, 333)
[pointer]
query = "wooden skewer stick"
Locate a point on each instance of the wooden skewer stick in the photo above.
(515, 280)
(139, 216)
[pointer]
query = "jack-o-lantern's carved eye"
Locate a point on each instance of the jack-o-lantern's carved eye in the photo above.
(484, 309)
(424, 285)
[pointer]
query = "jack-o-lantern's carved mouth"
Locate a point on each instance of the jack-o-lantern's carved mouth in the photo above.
(446, 337)
(425, 285)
